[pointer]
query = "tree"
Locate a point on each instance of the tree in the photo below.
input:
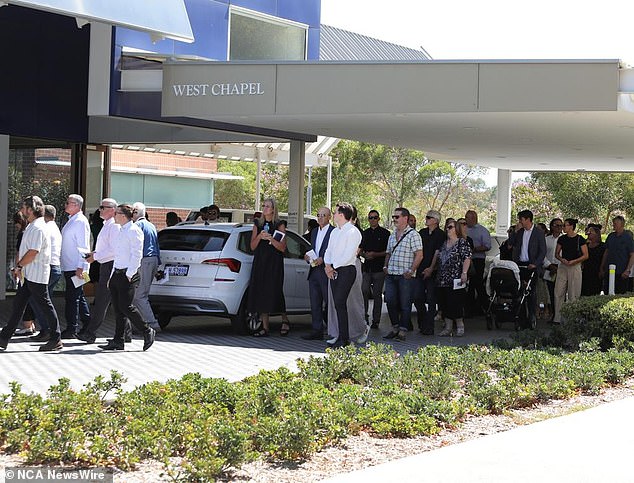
(529, 195)
(231, 193)
(591, 197)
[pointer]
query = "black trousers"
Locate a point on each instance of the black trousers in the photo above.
(122, 292)
(102, 300)
(38, 293)
(477, 293)
(341, 287)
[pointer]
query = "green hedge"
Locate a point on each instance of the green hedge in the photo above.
(211, 425)
(608, 319)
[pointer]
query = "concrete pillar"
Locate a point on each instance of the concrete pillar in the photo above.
(4, 190)
(296, 186)
(503, 201)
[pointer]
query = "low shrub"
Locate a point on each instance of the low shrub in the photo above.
(610, 319)
(201, 427)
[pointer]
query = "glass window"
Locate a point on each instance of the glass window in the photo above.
(192, 240)
(254, 36)
(44, 172)
(296, 246)
(244, 242)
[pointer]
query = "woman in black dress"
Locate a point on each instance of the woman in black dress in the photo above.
(266, 289)
(591, 282)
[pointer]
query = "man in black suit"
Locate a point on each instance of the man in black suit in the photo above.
(529, 250)
(317, 280)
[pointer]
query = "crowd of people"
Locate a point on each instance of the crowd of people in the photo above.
(126, 249)
(441, 271)
(566, 264)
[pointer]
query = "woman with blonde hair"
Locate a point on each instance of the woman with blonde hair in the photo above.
(266, 288)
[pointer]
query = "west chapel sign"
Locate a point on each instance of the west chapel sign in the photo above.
(204, 90)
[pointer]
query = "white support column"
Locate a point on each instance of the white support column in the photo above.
(258, 182)
(503, 201)
(329, 184)
(4, 190)
(296, 186)
(99, 69)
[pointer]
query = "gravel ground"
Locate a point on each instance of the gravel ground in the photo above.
(357, 452)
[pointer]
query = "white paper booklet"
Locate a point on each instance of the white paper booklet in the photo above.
(458, 284)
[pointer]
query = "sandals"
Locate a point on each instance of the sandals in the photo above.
(261, 333)
(285, 329)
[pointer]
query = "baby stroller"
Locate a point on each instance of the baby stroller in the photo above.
(508, 295)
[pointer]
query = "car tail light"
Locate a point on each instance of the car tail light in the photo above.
(231, 263)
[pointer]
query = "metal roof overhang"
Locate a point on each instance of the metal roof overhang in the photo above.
(164, 19)
(518, 115)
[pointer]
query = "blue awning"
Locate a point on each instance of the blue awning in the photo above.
(167, 18)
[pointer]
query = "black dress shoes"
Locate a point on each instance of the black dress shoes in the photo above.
(112, 346)
(69, 334)
(391, 335)
(340, 343)
(86, 337)
(148, 338)
(43, 336)
(314, 335)
(52, 345)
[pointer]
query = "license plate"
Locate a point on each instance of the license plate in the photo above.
(177, 270)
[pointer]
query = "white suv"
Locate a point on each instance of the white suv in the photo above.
(209, 269)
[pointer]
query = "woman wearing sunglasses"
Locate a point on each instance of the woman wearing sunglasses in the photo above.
(454, 258)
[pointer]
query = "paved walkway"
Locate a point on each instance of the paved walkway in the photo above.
(591, 446)
(191, 344)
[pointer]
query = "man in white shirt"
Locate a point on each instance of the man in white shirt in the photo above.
(550, 261)
(104, 254)
(529, 250)
(125, 274)
(340, 268)
(55, 238)
(75, 236)
(317, 280)
(33, 265)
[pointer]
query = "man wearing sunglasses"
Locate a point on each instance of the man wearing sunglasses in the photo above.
(104, 254)
(403, 256)
(426, 301)
(75, 235)
(373, 246)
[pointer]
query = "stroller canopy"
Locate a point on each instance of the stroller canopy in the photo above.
(507, 265)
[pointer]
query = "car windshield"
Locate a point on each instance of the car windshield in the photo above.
(192, 240)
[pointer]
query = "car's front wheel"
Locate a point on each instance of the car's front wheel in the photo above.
(164, 318)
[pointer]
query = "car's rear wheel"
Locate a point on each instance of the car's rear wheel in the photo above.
(239, 320)
(164, 318)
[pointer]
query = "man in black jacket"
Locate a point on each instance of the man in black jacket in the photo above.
(317, 280)
(529, 250)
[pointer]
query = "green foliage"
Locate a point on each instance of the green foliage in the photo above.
(530, 195)
(610, 319)
(200, 428)
(231, 193)
(591, 197)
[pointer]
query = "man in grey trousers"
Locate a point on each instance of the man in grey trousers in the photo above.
(149, 264)
(104, 253)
